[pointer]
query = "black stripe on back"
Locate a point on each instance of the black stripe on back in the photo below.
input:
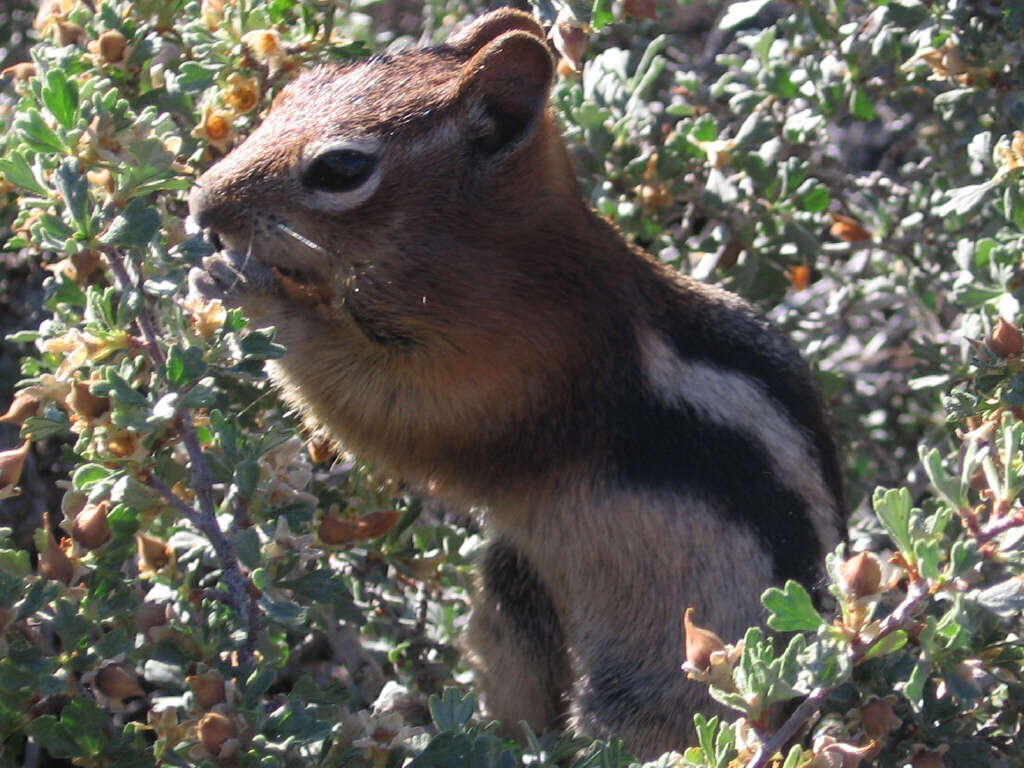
(672, 448)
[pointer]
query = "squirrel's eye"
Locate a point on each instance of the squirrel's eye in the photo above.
(339, 170)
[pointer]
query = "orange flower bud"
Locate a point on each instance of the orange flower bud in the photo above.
(320, 448)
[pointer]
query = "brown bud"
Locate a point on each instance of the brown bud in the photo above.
(700, 642)
(640, 9)
(927, 758)
(91, 528)
(845, 228)
(118, 681)
(336, 530)
(122, 443)
(21, 408)
(149, 615)
(112, 46)
(878, 718)
(1006, 340)
(214, 729)
(320, 448)
(54, 563)
(84, 263)
(375, 524)
(154, 554)
(569, 36)
(208, 689)
(67, 33)
(564, 68)
(22, 71)
(103, 179)
(12, 462)
(82, 402)
(861, 574)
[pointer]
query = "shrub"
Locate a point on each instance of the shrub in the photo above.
(219, 587)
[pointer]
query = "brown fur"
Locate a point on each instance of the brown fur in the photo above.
(472, 326)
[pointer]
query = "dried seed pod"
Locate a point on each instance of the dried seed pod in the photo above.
(861, 575)
(112, 45)
(81, 402)
(214, 729)
(24, 70)
(640, 9)
(53, 561)
(847, 229)
(208, 689)
(91, 528)
(149, 615)
(700, 642)
(336, 530)
(12, 462)
(569, 36)
(118, 681)
(878, 717)
(22, 407)
(928, 758)
(66, 33)
(1006, 340)
(320, 448)
(154, 553)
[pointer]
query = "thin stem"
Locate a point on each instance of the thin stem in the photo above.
(899, 618)
(205, 518)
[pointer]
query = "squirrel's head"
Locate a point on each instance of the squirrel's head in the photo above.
(389, 175)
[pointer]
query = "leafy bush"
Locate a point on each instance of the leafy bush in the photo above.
(217, 587)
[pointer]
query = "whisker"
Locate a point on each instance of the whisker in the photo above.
(301, 238)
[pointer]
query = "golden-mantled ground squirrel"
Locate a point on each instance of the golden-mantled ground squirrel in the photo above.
(453, 310)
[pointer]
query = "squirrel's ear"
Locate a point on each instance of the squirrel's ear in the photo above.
(506, 84)
(474, 37)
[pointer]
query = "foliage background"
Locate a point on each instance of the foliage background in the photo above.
(185, 578)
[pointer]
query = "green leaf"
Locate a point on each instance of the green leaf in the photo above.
(450, 711)
(15, 169)
(184, 364)
(247, 476)
(888, 644)
(861, 105)
(601, 14)
(792, 609)
(812, 196)
(74, 190)
(963, 200)
(36, 133)
(892, 508)
(738, 13)
(133, 227)
(88, 475)
(61, 96)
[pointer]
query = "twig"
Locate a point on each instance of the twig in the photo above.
(205, 518)
(899, 618)
(1000, 526)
